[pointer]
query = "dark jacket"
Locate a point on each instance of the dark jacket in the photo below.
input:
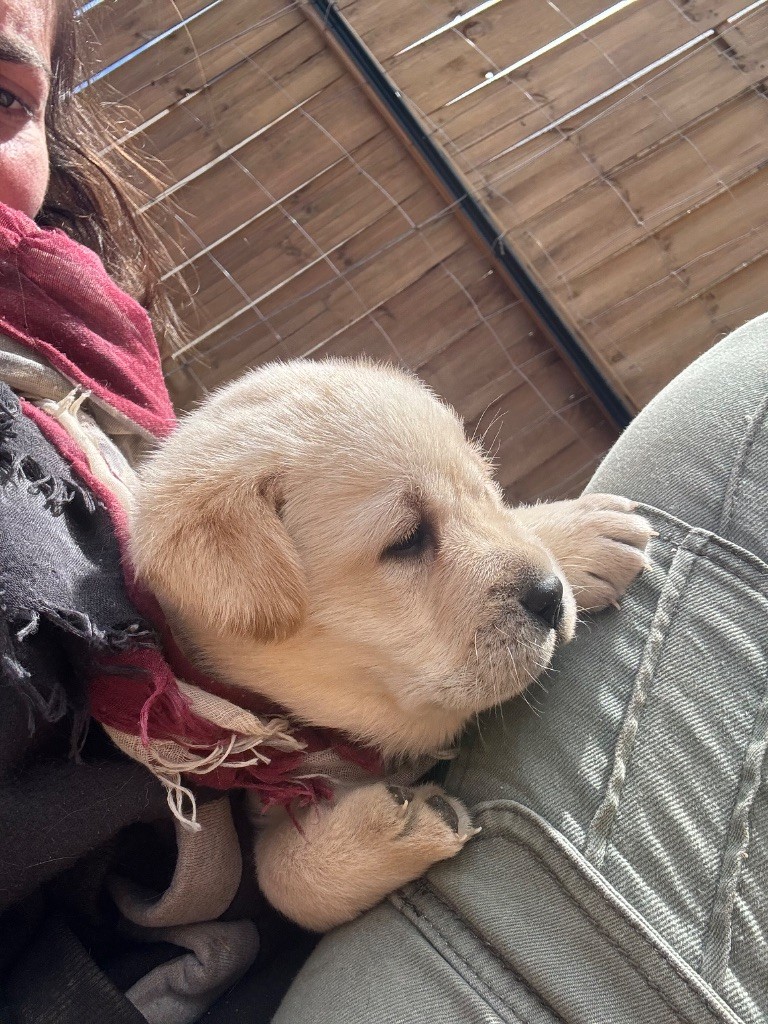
(72, 808)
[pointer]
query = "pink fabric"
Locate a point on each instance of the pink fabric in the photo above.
(57, 299)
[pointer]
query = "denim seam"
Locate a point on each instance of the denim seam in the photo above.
(719, 563)
(677, 533)
(429, 890)
(719, 935)
(736, 477)
(598, 927)
(632, 925)
(603, 821)
(424, 924)
(601, 930)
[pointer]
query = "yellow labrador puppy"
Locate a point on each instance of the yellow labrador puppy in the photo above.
(324, 534)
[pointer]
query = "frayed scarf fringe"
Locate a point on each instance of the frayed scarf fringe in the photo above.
(24, 469)
(80, 625)
(168, 761)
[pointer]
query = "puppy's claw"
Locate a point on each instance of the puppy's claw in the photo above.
(400, 794)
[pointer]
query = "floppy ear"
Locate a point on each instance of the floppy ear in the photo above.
(219, 557)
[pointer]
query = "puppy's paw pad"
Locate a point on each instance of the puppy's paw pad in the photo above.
(455, 817)
(437, 825)
(445, 810)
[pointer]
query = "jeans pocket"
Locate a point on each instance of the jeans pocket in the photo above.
(681, 829)
(646, 758)
(551, 940)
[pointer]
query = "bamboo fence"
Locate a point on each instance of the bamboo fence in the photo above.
(623, 164)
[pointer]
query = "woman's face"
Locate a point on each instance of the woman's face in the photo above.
(26, 39)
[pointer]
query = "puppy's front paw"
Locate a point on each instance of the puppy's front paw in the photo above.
(396, 833)
(352, 854)
(608, 553)
(427, 817)
(599, 542)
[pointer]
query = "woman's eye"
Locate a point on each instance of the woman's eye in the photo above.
(9, 101)
(412, 543)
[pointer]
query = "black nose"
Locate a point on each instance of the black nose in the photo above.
(544, 599)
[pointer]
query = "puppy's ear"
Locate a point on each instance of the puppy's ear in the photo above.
(220, 558)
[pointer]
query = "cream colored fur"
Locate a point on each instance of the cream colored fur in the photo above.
(265, 526)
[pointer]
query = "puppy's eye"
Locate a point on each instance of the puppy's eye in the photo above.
(413, 543)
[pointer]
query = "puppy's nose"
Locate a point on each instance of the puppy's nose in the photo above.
(544, 599)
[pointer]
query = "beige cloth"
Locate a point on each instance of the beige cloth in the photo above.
(205, 880)
(31, 376)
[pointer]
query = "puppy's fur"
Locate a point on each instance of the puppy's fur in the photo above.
(324, 534)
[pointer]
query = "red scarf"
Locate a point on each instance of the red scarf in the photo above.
(57, 300)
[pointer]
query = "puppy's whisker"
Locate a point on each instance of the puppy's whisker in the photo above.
(525, 696)
(480, 418)
(497, 418)
(536, 711)
(492, 450)
(574, 562)
(467, 675)
(480, 731)
(522, 694)
(500, 706)
(526, 672)
(529, 646)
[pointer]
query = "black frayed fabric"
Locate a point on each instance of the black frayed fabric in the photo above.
(59, 559)
(63, 794)
(72, 807)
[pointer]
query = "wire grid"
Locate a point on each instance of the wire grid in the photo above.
(571, 240)
(508, 379)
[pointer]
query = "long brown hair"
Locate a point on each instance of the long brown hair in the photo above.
(96, 188)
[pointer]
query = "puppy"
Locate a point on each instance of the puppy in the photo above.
(324, 534)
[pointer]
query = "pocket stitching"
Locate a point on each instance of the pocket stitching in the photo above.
(601, 826)
(701, 997)
(737, 471)
(428, 889)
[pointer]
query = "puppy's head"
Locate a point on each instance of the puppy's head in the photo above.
(325, 535)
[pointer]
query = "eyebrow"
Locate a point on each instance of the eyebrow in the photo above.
(411, 511)
(17, 51)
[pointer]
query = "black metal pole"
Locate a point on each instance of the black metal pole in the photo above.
(452, 184)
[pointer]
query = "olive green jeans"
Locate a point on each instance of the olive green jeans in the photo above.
(622, 871)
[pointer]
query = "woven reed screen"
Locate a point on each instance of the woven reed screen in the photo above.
(622, 148)
(309, 231)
